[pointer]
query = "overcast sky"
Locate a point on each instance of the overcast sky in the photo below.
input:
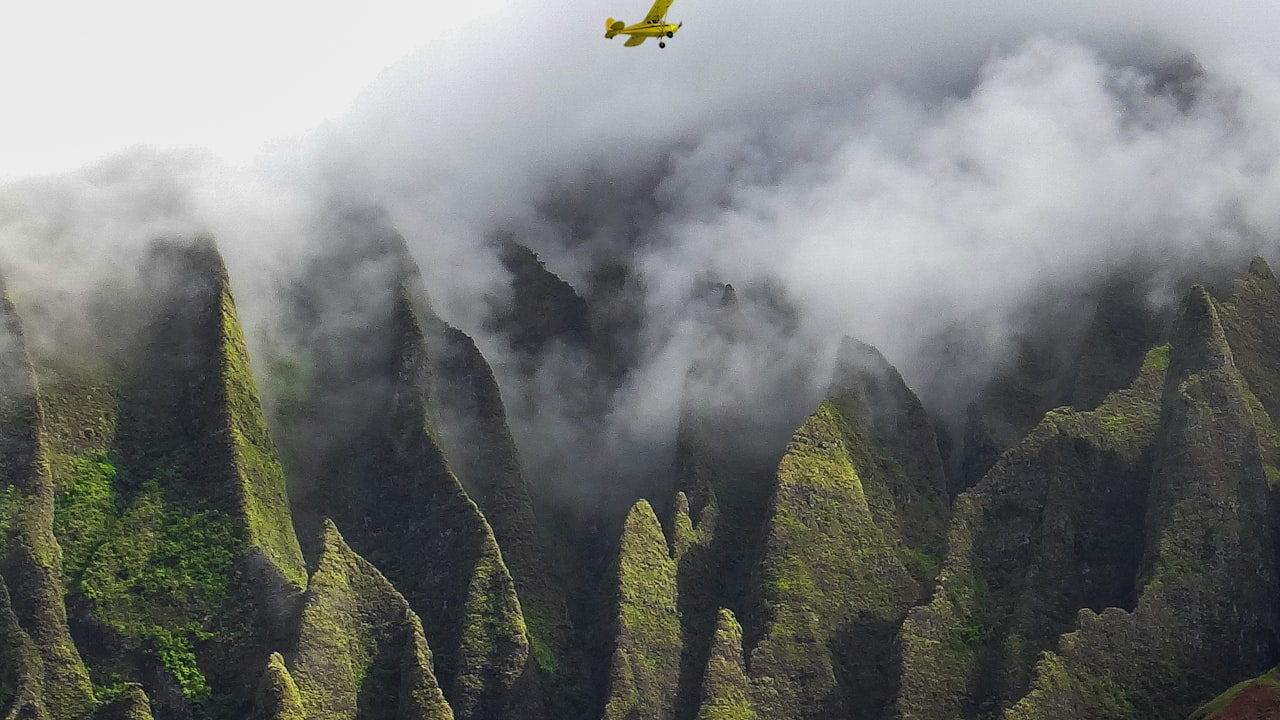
(82, 80)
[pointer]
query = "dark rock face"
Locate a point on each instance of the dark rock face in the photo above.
(1151, 516)
(1209, 559)
(387, 480)
(1124, 326)
(543, 309)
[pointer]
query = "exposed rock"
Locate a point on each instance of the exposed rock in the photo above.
(1010, 405)
(542, 310)
(1124, 326)
(834, 583)
(478, 442)
(904, 454)
(21, 668)
(1055, 526)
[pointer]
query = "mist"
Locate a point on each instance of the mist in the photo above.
(937, 180)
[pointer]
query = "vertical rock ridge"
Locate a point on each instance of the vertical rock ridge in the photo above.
(645, 664)
(30, 558)
(1207, 611)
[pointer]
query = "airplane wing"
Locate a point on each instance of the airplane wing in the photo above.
(635, 40)
(658, 11)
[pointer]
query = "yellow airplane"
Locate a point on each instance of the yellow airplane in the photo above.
(654, 25)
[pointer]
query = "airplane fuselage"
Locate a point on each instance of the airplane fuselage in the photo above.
(646, 29)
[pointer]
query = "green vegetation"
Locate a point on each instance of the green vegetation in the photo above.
(130, 703)
(83, 511)
(494, 648)
(831, 561)
(1010, 585)
(266, 504)
(976, 625)
(10, 508)
(359, 639)
(539, 627)
(153, 573)
(1210, 483)
(922, 563)
(726, 691)
(277, 697)
(1088, 694)
(645, 667)
(178, 657)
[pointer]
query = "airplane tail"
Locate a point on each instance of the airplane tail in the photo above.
(611, 27)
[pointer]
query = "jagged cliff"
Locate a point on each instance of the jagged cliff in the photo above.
(371, 546)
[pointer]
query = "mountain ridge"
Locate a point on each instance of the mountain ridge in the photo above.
(375, 545)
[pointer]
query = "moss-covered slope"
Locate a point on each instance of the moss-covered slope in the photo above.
(180, 556)
(645, 664)
(837, 575)
(726, 691)
(1055, 526)
(1207, 614)
(50, 679)
(278, 697)
(360, 652)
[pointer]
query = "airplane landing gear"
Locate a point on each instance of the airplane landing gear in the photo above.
(661, 44)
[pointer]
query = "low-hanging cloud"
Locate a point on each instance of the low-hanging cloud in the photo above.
(898, 173)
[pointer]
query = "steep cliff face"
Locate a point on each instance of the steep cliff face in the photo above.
(130, 704)
(383, 400)
(475, 436)
(1118, 560)
(726, 691)
(182, 557)
(157, 508)
(46, 677)
(1110, 540)
(855, 520)
(1055, 526)
(543, 309)
(278, 697)
(1206, 615)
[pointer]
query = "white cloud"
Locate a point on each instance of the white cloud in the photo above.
(897, 168)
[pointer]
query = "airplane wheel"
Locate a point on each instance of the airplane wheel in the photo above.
(670, 34)
(662, 44)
